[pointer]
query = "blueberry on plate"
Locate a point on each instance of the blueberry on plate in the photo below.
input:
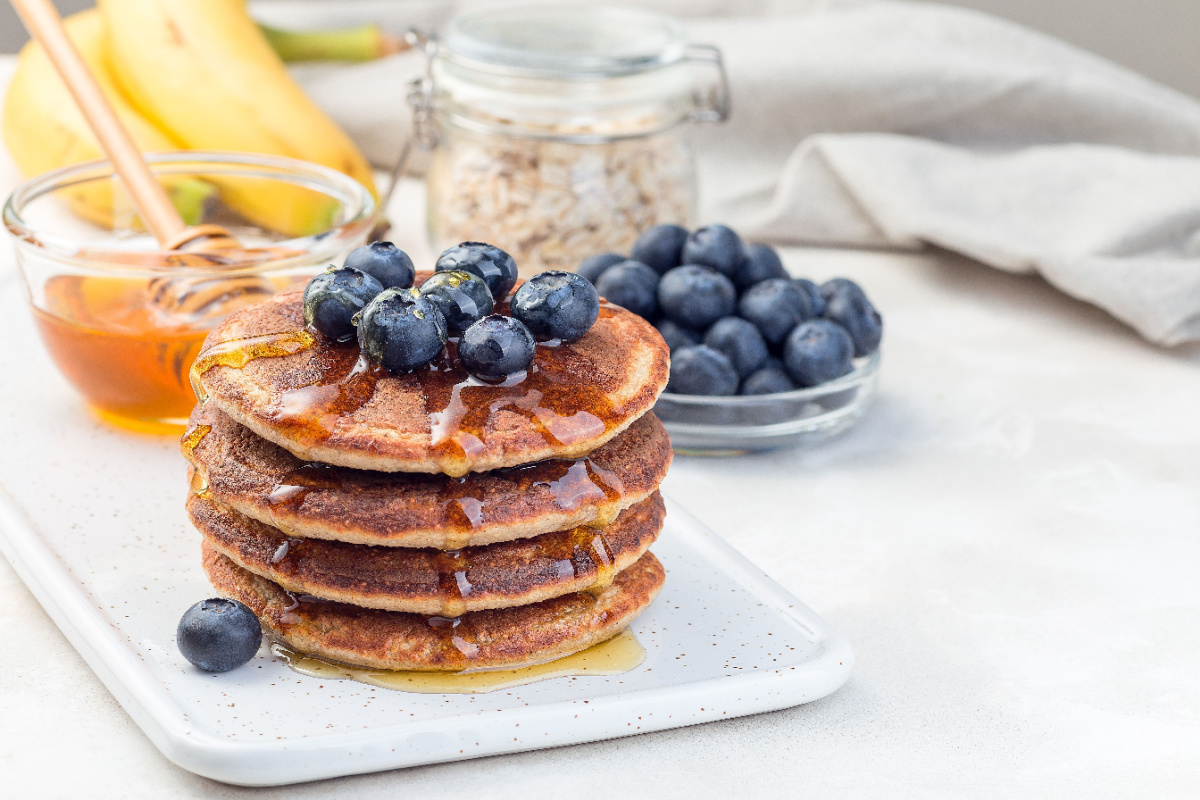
(462, 297)
(218, 635)
(833, 284)
(715, 246)
(768, 380)
(496, 267)
(741, 343)
(775, 306)
(701, 370)
(400, 330)
(761, 263)
(631, 285)
(384, 262)
(817, 351)
(557, 305)
(333, 298)
(660, 248)
(848, 306)
(816, 300)
(695, 296)
(496, 347)
(676, 336)
(592, 268)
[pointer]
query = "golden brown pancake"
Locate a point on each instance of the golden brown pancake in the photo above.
(427, 581)
(266, 482)
(508, 637)
(320, 401)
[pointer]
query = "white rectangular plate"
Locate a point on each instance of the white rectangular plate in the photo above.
(92, 519)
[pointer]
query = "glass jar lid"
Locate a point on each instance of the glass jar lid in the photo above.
(564, 43)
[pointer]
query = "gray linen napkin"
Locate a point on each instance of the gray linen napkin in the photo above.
(878, 123)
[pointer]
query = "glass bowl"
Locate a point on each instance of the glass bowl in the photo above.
(720, 426)
(123, 321)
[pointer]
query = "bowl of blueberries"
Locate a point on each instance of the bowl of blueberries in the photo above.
(758, 359)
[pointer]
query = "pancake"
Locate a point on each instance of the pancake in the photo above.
(266, 482)
(503, 638)
(427, 581)
(322, 402)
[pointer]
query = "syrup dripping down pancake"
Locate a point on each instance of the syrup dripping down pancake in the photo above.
(502, 638)
(427, 581)
(323, 402)
(264, 481)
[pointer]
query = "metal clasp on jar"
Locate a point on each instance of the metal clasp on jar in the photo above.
(712, 102)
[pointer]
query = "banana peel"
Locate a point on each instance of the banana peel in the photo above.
(44, 129)
(205, 75)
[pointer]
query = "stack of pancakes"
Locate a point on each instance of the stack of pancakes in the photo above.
(429, 521)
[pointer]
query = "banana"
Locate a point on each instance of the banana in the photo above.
(203, 72)
(44, 129)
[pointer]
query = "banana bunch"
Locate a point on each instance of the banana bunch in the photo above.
(181, 75)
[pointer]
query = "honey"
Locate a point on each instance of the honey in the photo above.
(123, 350)
(563, 409)
(620, 654)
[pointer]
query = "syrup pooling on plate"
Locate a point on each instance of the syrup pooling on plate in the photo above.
(620, 654)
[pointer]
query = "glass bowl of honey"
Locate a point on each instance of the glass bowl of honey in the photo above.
(124, 320)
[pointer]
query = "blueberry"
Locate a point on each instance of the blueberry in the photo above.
(715, 246)
(775, 306)
(384, 262)
(462, 297)
(817, 351)
(592, 268)
(489, 262)
(496, 347)
(332, 298)
(676, 336)
(218, 635)
(816, 300)
(741, 343)
(761, 262)
(695, 296)
(660, 248)
(400, 330)
(631, 285)
(701, 370)
(768, 380)
(557, 305)
(848, 306)
(833, 284)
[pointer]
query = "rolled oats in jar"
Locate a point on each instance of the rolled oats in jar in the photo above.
(560, 133)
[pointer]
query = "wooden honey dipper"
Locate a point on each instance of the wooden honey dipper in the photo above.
(204, 246)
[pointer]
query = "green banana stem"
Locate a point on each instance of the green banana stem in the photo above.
(364, 43)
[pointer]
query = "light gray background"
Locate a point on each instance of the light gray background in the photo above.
(1156, 37)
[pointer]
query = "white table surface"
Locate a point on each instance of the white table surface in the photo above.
(1010, 539)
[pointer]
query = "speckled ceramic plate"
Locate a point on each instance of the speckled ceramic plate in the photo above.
(93, 521)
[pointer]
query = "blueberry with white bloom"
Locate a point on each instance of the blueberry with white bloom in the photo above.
(818, 351)
(557, 305)
(333, 298)
(385, 262)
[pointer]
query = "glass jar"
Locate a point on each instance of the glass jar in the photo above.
(561, 133)
(122, 320)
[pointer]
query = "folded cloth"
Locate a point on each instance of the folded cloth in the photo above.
(880, 123)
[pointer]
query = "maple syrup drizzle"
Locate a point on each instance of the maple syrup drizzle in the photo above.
(620, 654)
(563, 409)
(237, 353)
(198, 483)
(454, 585)
(191, 439)
(465, 509)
